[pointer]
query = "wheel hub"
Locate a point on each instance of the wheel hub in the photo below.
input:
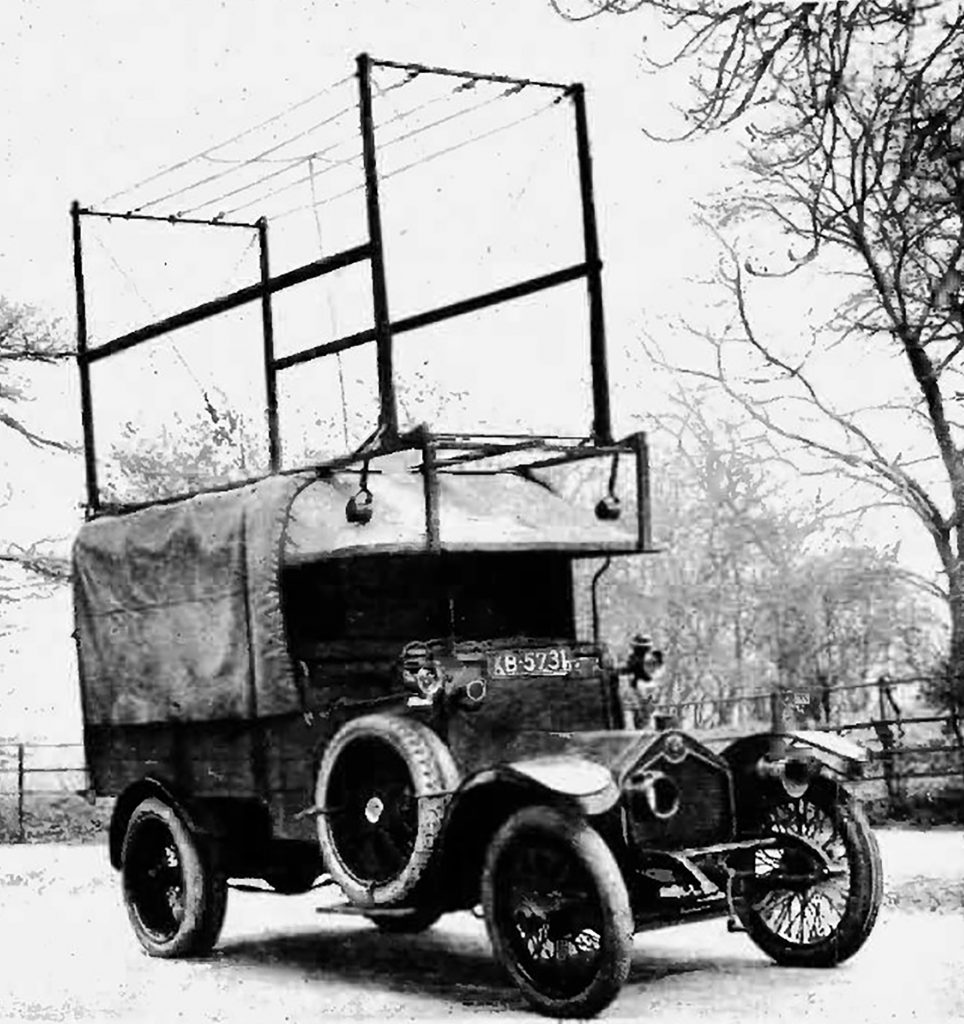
(374, 810)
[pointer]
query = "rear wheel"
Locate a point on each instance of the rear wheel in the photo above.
(557, 912)
(825, 921)
(174, 894)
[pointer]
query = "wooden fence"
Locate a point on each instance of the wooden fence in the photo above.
(907, 743)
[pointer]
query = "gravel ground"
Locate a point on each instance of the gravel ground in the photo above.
(68, 955)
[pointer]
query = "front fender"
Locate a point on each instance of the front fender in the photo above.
(586, 783)
(841, 757)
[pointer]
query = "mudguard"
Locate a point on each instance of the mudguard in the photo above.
(842, 757)
(587, 783)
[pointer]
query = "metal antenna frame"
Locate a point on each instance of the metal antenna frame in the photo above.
(386, 438)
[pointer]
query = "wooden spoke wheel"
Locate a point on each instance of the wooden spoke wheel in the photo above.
(813, 900)
(557, 912)
(174, 896)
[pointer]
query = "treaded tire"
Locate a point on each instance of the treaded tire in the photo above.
(575, 890)
(174, 894)
(864, 893)
(384, 784)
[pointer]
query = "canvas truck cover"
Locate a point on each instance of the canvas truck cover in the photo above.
(178, 607)
(504, 512)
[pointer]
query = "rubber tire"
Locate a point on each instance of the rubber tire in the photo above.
(585, 844)
(863, 899)
(205, 887)
(431, 769)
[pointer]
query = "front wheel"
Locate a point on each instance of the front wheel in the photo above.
(557, 912)
(800, 911)
(175, 896)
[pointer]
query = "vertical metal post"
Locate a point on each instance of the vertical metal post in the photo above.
(86, 407)
(270, 372)
(644, 530)
(430, 483)
(388, 415)
(20, 787)
(601, 424)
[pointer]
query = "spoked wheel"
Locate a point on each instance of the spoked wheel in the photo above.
(557, 912)
(175, 899)
(798, 909)
(384, 783)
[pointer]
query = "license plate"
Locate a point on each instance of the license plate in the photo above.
(546, 661)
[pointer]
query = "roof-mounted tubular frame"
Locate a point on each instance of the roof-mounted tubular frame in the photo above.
(386, 438)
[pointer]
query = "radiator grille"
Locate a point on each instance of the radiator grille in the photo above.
(705, 814)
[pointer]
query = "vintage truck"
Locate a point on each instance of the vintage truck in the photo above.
(372, 673)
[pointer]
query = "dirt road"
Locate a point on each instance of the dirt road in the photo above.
(67, 955)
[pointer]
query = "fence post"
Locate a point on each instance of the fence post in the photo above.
(885, 733)
(777, 722)
(955, 723)
(20, 774)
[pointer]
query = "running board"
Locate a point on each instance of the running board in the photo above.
(353, 910)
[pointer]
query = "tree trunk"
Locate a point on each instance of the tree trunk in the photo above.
(955, 663)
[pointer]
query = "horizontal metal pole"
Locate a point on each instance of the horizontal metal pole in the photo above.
(488, 452)
(469, 75)
(170, 219)
(579, 454)
(467, 440)
(404, 442)
(512, 291)
(327, 349)
(434, 316)
(231, 301)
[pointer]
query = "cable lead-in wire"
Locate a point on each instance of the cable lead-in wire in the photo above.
(382, 147)
(221, 174)
(292, 163)
(227, 142)
(415, 163)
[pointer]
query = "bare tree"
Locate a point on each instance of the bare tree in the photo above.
(853, 122)
(26, 340)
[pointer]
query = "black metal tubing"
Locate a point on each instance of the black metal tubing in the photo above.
(506, 294)
(419, 69)
(487, 452)
(579, 454)
(387, 413)
(86, 406)
(170, 219)
(434, 316)
(195, 314)
(433, 529)
(326, 349)
(602, 422)
(267, 326)
(643, 518)
(403, 442)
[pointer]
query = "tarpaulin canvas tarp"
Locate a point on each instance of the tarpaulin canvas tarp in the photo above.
(178, 607)
(476, 513)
